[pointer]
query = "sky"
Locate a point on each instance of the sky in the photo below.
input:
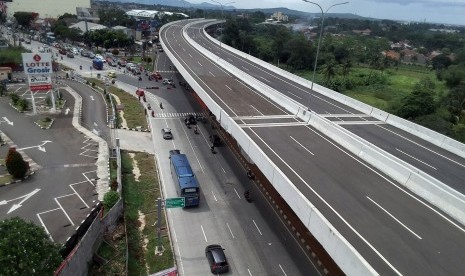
(435, 11)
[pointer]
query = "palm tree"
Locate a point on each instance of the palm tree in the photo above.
(346, 67)
(329, 72)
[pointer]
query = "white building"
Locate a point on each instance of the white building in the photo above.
(279, 16)
(46, 8)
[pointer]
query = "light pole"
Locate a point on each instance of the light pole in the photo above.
(321, 33)
(222, 16)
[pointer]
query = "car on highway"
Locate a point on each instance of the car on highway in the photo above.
(168, 81)
(70, 54)
(91, 55)
(112, 74)
(84, 53)
(122, 62)
(166, 132)
(215, 140)
(216, 259)
(155, 76)
(190, 120)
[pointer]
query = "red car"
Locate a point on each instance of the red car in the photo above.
(155, 76)
(62, 51)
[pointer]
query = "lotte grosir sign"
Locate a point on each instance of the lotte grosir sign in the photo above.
(37, 83)
(37, 64)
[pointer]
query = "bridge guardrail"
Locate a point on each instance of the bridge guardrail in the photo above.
(345, 255)
(429, 188)
(434, 137)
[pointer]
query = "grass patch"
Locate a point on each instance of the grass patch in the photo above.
(140, 197)
(45, 122)
(6, 179)
(133, 110)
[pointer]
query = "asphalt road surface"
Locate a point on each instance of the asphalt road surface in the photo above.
(396, 232)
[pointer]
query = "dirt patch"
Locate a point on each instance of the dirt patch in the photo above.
(124, 124)
(135, 168)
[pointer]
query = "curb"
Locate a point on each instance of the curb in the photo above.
(136, 129)
(18, 180)
(49, 126)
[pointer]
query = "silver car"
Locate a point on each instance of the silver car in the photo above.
(166, 132)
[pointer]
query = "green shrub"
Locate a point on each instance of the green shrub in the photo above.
(23, 104)
(48, 100)
(14, 98)
(93, 84)
(114, 185)
(110, 199)
(47, 119)
(15, 164)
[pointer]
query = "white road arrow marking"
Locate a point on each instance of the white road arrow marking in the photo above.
(26, 197)
(92, 97)
(39, 147)
(8, 121)
(67, 111)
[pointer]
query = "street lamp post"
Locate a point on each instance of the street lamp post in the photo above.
(222, 16)
(321, 33)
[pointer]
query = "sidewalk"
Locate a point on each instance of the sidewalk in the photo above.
(135, 140)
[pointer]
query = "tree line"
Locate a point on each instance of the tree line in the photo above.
(426, 104)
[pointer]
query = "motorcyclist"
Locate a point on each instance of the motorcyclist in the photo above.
(80, 67)
(196, 130)
(161, 105)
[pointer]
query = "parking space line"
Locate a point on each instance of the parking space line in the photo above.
(66, 214)
(71, 186)
(45, 227)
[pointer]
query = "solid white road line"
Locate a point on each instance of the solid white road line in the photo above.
(250, 273)
(413, 142)
(211, 73)
(228, 87)
(256, 110)
(284, 272)
(237, 193)
(192, 147)
(302, 145)
(300, 98)
(45, 227)
(214, 196)
(327, 204)
(71, 186)
(230, 231)
(199, 63)
(257, 228)
(204, 235)
(392, 216)
(416, 159)
(62, 209)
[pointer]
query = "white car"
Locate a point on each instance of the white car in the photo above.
(99, 56)
(167, 81)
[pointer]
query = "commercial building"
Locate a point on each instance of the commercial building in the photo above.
(46, 8)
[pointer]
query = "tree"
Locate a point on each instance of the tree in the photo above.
(24, 18)
(329, 72)
(15, 164)
(454, 75)
(26, 249)
(110, 199)
(420, 102)
(440, 62)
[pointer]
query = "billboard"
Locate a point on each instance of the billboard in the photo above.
(37, 63)
(38, 68)
(37, 83)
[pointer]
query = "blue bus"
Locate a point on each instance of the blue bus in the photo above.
(187, 185)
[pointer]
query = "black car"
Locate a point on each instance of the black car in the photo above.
(190, 120)
(216, 259)
(70, 55)
(215, 140)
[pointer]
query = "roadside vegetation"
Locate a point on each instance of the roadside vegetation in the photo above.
(45, 122)
(141, 188)
(134, 113)
(407, 70)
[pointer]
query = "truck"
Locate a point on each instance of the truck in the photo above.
(97, 64)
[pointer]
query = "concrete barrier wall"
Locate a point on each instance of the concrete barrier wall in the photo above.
(429, 188)
(77, 263)
(434, 137)
(349, 260)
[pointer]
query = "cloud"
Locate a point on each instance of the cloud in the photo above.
(426, 3)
